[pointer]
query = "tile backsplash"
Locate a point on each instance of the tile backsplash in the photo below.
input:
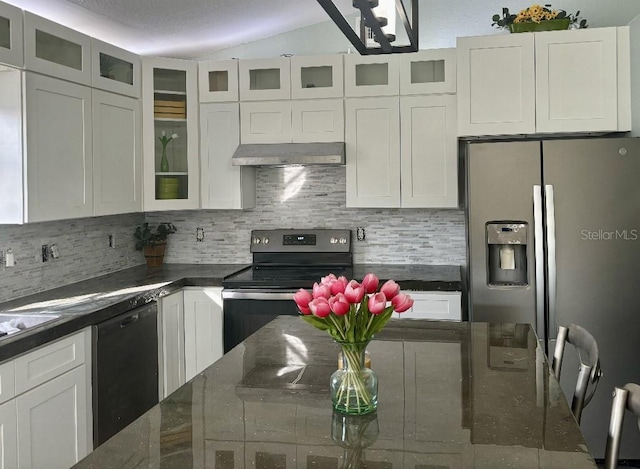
(84, 252)
(288, 197)
(314, 197)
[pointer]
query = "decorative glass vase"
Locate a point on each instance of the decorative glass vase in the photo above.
(164, 162)
(354, 433)
(354, 387)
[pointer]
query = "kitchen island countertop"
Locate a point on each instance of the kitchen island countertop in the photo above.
(89, 302)
(450, 395)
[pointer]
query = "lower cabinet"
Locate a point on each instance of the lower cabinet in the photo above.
(434, 305)
(48, 423)
(190, 335)
(51, 422)
(8, 436)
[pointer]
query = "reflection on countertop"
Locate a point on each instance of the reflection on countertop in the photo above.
(447, 399)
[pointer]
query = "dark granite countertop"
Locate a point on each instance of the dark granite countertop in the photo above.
(92, 301)
(450, 395)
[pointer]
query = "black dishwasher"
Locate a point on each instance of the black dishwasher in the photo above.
(124, 371)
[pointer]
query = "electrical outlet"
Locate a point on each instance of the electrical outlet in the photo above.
(45, 253)
(9, 260)
(360, 235)
(112, 241)
(55, 254)
(199, 234)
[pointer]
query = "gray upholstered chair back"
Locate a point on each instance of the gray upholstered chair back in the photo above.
(627, 397)
(590, 371)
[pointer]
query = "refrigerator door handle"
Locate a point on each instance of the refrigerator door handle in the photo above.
(551, 257)
(539, 261)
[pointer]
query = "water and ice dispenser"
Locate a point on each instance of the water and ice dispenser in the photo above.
(507, 254)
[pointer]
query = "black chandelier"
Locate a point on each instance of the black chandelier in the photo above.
(369, 21)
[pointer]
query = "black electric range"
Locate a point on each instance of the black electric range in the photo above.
(283, 262)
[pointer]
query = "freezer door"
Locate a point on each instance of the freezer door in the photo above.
(596, 200)
(501, 178)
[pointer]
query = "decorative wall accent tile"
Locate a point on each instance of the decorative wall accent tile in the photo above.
(314, 197)
(84, 250)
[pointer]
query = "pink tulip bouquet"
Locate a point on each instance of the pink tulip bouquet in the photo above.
(352, 313)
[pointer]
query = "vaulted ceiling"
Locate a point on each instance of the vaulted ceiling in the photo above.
(193, 28)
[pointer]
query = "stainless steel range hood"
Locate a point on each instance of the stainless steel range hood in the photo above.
(283, 154)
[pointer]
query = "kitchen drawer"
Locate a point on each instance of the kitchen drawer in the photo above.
(434, 305)
(7, 381)
(49, 361)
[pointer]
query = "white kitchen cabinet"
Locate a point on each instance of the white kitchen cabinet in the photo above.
(371, 75)
(52, 410)
(440, 305)
(430, 71)
(429, 151)
(265, 79)
(317, 76)
(496, 85)
(265, 122)
(548, 82)
(224, 186)
(218, 81)
(114, 69)
(402, 152)
(11, 39)
(55, 50)
(170, 105)
(577, 80)
(203, 331)
(58, 149)
(318, 120)
(117, 154)
(372, 144)
(8, 435)
(171, 336)
(52, 420)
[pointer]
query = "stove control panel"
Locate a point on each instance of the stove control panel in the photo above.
(320, 240)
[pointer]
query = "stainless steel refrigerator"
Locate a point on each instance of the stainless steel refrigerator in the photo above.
(553, 232)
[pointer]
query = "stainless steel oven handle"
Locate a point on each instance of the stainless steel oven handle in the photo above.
(258, 294)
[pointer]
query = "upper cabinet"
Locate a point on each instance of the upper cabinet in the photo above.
(58, 149)
(55, 50)
(11, 50)
(218, 81)
(265, 79)
(549, 82)
(430, 71)
(117, 154)
(170, 134)
(115, 69)
(371, 75)
(317, 76)
(224, 186)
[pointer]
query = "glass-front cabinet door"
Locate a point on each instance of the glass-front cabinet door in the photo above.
(114, 69)
(55, 50)
(218, 81)
(11, 50)
(170, 140)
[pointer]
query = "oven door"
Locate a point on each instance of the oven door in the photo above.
(247, 310)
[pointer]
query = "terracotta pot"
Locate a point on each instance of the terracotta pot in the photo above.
(154, 255)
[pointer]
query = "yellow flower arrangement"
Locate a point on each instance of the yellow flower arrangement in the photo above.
(537, 14)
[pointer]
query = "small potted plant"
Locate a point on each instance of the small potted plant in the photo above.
(153, 242)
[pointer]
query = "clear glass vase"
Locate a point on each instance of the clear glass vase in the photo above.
(354, 387)
(354, 433)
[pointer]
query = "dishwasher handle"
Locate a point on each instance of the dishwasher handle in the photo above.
(129, 320)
